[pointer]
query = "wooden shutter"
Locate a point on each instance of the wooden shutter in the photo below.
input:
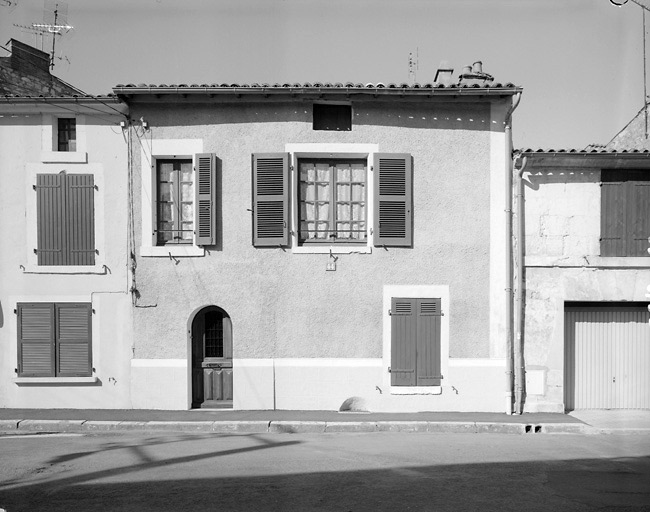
(270, 199)
(73, 340)
(80, 219)
(613, 209)
(428, 342)
(403, 341)
(393, 211)
(639, 218)
(50, 215)
(206, 206)
(35, 340)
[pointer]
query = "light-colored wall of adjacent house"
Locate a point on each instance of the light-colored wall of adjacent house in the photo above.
(309, 338)
(563, 263)
(25, 146)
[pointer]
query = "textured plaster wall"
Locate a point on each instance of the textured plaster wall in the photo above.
(286, 305)
(20, 147)
(562, 218)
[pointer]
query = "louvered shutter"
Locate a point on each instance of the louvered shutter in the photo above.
(206, 205)
(403, 341)
(73, 340)
(270, 199)
(35, 340)
(393, 211)
(639, 218)
(80, 219)
(612, 217)
(428, 342)
(50, 214)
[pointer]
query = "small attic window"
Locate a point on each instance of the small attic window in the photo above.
(67, 134)
(332, 117)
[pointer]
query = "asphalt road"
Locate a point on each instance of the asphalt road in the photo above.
(323, 472)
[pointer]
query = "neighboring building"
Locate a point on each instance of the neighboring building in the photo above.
(313, 246)
(587, 267)
(65, 310)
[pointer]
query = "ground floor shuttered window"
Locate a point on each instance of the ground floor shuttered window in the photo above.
(54, 339)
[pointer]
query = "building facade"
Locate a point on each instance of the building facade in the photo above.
(320, 246)
(65, 307)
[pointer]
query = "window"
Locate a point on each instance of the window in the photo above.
(625, 212)
(175, 192)
(67, 134)
(65, 209)
(54, 339)
(415, 342)
(332, 117)
(332, 200)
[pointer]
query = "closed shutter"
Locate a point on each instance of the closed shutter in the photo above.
(206, 207)
(270, 199)
(428, 342)
(612, 218)
(73, 340)
(393, 211)
(403, 341)
(35, 340)
(80, 219)
(50, 214)
(640, 218)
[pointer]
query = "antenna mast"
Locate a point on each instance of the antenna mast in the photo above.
(414, 65)
(55, 20)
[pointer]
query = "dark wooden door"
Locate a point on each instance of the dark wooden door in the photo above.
(212, 384)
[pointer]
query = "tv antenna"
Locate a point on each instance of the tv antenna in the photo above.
(9, 3)
(414, 65)
(55, 24)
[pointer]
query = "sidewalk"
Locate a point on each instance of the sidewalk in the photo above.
(220, 421)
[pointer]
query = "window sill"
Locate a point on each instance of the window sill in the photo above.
(332, 249)
(72, 157)
(55, 380)
(187, 251)
(416, 390)
(588, 261)
(65, 269)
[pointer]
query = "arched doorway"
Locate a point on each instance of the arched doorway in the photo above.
(212, 359)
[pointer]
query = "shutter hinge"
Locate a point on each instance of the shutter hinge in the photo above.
(34, 187)
(291, 167)
(389, 370)
(390, 313)
(372, 168)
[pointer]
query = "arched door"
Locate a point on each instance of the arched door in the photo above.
(212, 359)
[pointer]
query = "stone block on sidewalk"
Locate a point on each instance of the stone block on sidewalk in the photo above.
(452, 427)
(101, 426)
(183, 426)
(351, 426)
(241, 427)
(9, 424)
(297, 427)
(51, 425)
(500, 428)
(402, 426)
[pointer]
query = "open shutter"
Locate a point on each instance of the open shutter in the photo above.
(80, 219)
(50, 214)
(393, 211)
(639, 218)
(35, 340)
(403, 341)
(270, 199)
(206, 206)
(428, 342)
(73, 340)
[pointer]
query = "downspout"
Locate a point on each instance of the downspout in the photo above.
(509, 250)
(520, 370)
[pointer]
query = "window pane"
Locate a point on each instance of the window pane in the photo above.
(322, 230)
(323, 191)
(166, 212)
(343, 230)
(165, 192)
(187, 232)
(187, 212)
(342, 173)
(307, 172)
(187, 192)
(186, 171)
(358, 212)
(323, 172)
(358, 192)
(343, 192)
(307, 191)
(165, 232)
(358, 172)
(323, 210)
(343, 211)
(166, 170)
(307, 211)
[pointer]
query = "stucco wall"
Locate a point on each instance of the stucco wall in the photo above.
(563, 263)
(287, 305)
(21, 147)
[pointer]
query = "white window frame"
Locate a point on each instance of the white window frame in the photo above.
(416, 292)
(318, 150)
(50, 143)
(151, 151)
(31, 218)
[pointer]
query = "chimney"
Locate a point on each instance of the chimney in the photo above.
(474, 75)
(28, 59)
(444, 74)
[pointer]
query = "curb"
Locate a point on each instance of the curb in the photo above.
(309, 427)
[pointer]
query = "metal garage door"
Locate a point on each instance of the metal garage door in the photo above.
(607, 356)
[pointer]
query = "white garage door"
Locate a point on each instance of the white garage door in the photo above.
(607, 357)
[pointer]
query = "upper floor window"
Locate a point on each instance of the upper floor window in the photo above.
(65, 209)
(332, 117)
(67, 134)
(175, 192)
(625, 212)
(332, 200)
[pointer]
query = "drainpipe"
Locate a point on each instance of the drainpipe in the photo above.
(508, 290)
(520, 370)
